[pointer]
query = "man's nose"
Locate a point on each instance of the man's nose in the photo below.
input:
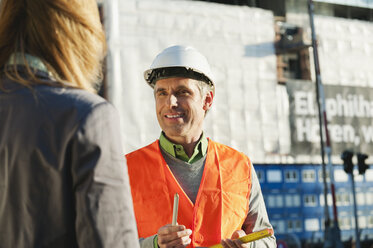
(172, 101)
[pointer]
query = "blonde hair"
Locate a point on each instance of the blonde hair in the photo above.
(65, 34)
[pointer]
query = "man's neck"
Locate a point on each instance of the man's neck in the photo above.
(189, 148)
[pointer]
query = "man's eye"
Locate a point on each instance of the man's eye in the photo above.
(162, 93)
(184, 92)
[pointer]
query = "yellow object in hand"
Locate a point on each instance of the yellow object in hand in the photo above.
(251, 237)
(175, 209)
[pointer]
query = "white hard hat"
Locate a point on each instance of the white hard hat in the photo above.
(179, 61)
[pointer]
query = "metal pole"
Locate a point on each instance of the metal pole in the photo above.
(326, 209)
(357, 245)
(332, 235)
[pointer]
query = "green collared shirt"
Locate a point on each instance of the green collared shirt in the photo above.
(178, 151)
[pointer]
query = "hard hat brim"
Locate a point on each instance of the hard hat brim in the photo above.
(153, 75)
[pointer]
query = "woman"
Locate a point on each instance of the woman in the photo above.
(62, 179)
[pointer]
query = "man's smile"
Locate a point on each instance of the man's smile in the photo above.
(174, 115)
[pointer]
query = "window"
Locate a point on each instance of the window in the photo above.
(370, 221)
(360, 198)
(278, 226)
(340, 176)
(330, 199)
(294, 226)
(296, 200)
(327, 175)
(338, 199)
(279, 201)
(358, 177)
(271, 201)
(344, 223)
(369, 197)
(293, 60)
(312, 225)
(363, 221)
(369, 175)
(292, 200)
(288, 200)
(290, 226)
(291, 176)
(342, 199)
(310, 201)
(347, 199)
(278, 6)
(308, 176)
(274, 176)
(353, 12)
(260, 175)
(275, 201)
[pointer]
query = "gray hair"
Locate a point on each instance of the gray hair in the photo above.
(204, 88)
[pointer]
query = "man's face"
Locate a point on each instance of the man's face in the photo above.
(181, 108)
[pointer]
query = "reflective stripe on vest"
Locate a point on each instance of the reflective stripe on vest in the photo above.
(222, 201)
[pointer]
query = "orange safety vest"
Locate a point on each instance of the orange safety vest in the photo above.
(222, 201)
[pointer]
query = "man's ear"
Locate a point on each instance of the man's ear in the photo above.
(209, 97)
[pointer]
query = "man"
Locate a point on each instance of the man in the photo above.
(220, 197)
(63, 180)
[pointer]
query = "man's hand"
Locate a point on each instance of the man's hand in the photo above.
(234, 242)
(173, 236)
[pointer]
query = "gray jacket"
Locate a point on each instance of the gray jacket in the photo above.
(63, 178)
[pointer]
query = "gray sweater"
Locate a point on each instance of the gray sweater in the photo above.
(188, 175)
